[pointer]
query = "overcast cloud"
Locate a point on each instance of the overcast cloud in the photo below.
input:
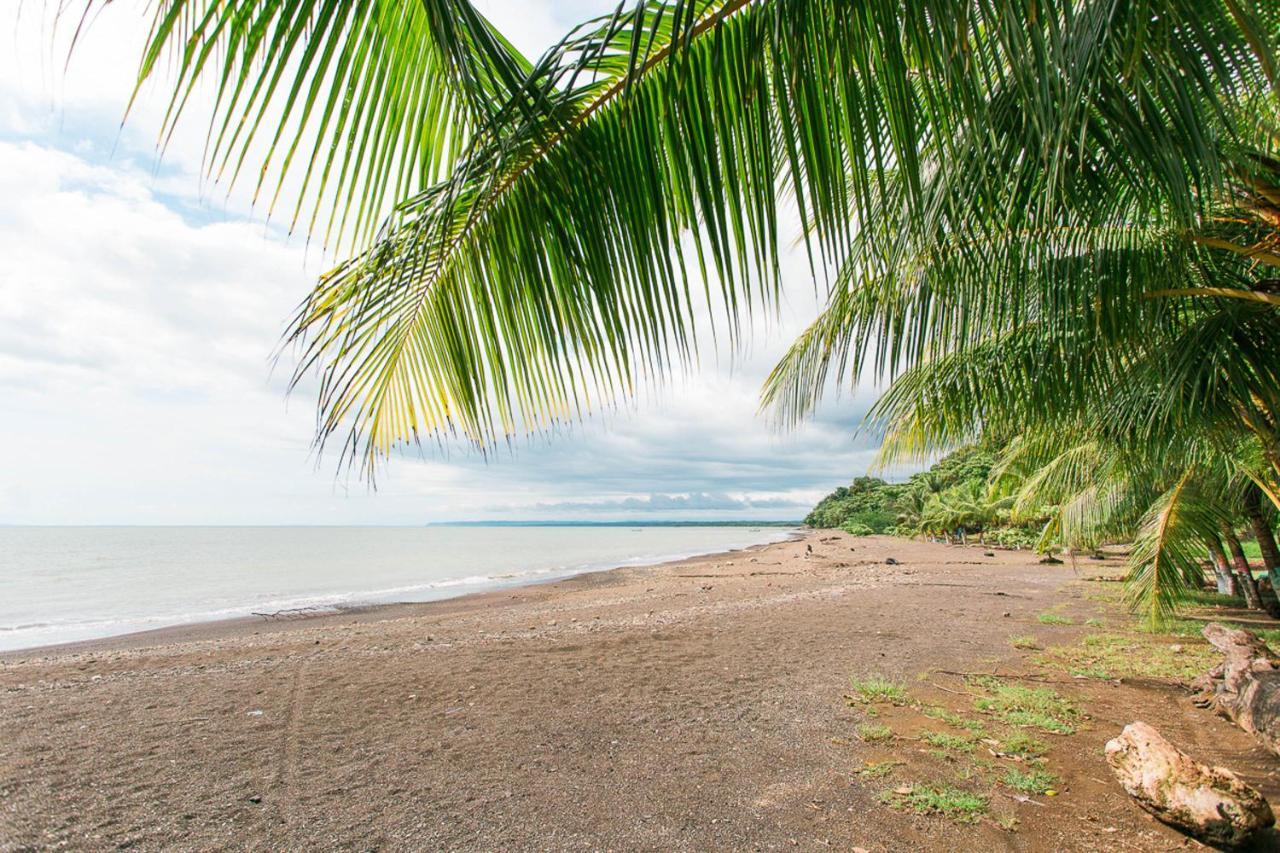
(140, 308)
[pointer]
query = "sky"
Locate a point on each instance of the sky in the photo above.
(141, 306)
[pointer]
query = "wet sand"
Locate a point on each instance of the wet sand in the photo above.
(690, 706)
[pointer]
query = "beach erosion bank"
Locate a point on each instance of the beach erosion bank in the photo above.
(694, 705)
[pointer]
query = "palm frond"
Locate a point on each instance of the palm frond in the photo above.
(1167, 554)
(359, 103)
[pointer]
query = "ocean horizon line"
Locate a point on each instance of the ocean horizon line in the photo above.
(464, 523)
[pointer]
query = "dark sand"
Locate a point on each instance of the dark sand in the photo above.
(691, 706)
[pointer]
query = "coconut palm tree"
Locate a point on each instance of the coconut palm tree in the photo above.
(1037, 194)
(527, 237)
(1128, 441)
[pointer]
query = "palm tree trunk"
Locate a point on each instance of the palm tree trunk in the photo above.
(1262, 532)
(1251, 595)
(1222, 569)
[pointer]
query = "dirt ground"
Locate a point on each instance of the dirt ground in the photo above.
(699, 705)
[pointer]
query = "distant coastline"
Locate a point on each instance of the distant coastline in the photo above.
(664, 523)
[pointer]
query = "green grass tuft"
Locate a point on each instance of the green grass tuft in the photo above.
(947, 741)
(1029, 707)
(1054, 619)
(878, 688)
(1024, 745)
(1024, 642)
(962, 806)
(879, 769)
(937, 712)
(874, 732)
(1033, 781)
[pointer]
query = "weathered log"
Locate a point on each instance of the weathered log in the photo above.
(1245, 687)
(1211, 803)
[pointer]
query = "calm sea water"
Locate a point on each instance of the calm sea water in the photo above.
(59, 584)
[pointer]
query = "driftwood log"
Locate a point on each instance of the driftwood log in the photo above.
(1211, 803)
(1245, 687)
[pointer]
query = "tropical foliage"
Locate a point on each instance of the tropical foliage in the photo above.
(1053, 224)
(953, 499)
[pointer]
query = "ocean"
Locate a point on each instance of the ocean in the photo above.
(62, 584)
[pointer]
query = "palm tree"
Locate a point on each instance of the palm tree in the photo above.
(527, 235)
(1023, 201)
(1140, 452)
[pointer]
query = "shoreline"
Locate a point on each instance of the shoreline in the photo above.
(254, 623)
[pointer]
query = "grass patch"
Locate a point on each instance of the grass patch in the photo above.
(1214, 599)
(1109, 592)
(1033, 781)
(962, 806)
(1028, 707)
(1024, 642)
(942, 740)
(874, 732)
(1093, 623)
(877, 688)
(1109, 656)
(1023, 745)
(1193, 628)
(1054, 619)
(879, 769)
(937, 712)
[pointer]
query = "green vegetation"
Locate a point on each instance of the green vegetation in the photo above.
(942, 740)
(1024, 642)
(1022, 706)
(879, 769)
(1032, 781)
(877, 688)
(1107, 656)
(867, 501)
(945, 800)
(874, 732)
(951, 718)
(1023, 745)
(951, 501)
(1019, 759)
(1054, 619)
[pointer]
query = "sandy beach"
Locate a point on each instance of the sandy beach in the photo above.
(695, 705)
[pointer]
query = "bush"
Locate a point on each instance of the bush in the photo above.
(855, 528)
(1012, 537)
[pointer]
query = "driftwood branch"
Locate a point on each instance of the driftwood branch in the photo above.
(1245, 687)
(291, 612)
